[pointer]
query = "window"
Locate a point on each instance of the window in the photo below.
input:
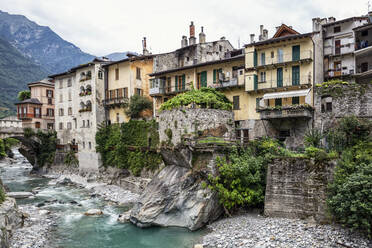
(117, 118)
(50, 101)
(69, 83)
(337, 29)
(216, 75)
(138, 92)
(258, 103)
(69, 126)
(220, 48)
(125, 92)
(100, 75)
(295, 75)
(90, 145)
(50, 126)
(49, 93)
(117, 74)
(329, 106)
(295, 100)
(112, 94)
(83, 144)
(37, 113)
(50, 112)
(236, 103)
(262, 58)
(60, 84)
(69, 96)
(280, 55)
(69, 111)
(88, 123)
(37, 124)
(272, 54)
(138, 74)
(278, 102)
(364, 33)
(60, 125)
(295, 53)
(60, 98)
(284, 134)
(61, 112)
(262, 76)
(83, 123)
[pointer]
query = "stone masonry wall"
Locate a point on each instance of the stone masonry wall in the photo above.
(297, 188)
(195, 122)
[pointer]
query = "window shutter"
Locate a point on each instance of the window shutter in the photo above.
(296, 53)
(176, 82)
(204, 79)
(255, 82)
(183, 81)
(255, 58)
(214, 76)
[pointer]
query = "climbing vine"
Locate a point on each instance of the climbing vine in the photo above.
(131, 145)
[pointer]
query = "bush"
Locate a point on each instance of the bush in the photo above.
(2, 149)
(47, 147)
(70, 159)
(2, 194)
(28, 132)
(205, 97)
(313, 138)
(137, 104)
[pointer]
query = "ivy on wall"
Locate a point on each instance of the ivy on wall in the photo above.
(130, 145)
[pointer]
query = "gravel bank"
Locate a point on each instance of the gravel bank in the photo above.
(256, 231)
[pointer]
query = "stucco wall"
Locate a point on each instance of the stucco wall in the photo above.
(296, 188)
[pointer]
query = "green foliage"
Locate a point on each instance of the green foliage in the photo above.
(129, 145)
(205, 97)
(350, 193)
(136, 105)
(2, 194)
(47, 147)
(28, 132)
(71, 159)
(313, 138)
(337, 88)
(318, 154)
(169, 133)
(242, 176)
(2, 149)
(23, 95)
(6, 146)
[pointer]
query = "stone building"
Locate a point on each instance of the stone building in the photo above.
(363, 52)
(340, 45)
(280, 74)
(10, 122)
(195, 64)
(80, 94)
(125, 78)
(38, 111)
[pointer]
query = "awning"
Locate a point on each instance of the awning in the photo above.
(286, 94)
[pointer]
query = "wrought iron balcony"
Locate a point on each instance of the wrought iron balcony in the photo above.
(296, 111)
(115, 101)
(228, 83)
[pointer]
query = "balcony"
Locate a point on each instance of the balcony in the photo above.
(295, 111)
(284, 59)
(233, 82)
(25, 116)
(115, 101)
(287, 83)
(339, 72)
(158, 87)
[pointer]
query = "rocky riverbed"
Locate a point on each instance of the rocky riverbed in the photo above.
(256, 231)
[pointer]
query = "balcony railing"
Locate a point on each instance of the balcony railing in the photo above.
(168, 90)
(296, 111)
(115, 101)
(24, 116)
(339, 72)
(284, 58)
(228, 83)
(286, 82)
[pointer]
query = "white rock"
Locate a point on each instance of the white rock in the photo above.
(19, 195)
(93, 212)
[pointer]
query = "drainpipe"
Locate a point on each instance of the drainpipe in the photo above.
(104, 93)
(314, 75)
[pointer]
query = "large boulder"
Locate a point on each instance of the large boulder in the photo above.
(175, 197)
(10, 219)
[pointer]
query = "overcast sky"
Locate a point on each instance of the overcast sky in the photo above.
(106, 26)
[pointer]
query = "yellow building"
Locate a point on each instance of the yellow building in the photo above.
(279, 79)
(226, 75)
(124, 79)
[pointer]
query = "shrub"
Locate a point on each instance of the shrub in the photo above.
(205, 97)
(136, 105)
(28, 132)
(313, 138)
(47, 147)
(2, 194)
(2, 149)
(23, 95)
(70, 159)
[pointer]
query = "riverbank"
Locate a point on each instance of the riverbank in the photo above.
(251, 230)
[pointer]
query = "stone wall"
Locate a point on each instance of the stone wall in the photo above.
(297, 188)
(194, 123)
(346, 100)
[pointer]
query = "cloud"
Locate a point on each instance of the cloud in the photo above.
(102, 27)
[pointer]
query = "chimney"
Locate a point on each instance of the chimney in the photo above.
(277, 28)
(223, 38)
(252, 38)
(260, 37)
(192, 39)
(265, 34)
(144, 46)
(184, 42)
(202, 36)
(331, 19)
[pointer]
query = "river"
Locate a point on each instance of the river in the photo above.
(73, 229)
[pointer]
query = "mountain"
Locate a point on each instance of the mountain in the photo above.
(40, 44)
(15, 72)
(117, 56)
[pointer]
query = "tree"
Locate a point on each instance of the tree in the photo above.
(136, 105)
(24, 94)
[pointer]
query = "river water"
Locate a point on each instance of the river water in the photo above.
(73, 229)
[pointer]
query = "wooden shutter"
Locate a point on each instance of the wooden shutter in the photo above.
(236, 102)
(295, 75)
(126, 92)
(255, 58)
(296, 53)
(183, 81)
(255, 82)
(203, 79)
(176, 82)
(214, 76)
(279, 77)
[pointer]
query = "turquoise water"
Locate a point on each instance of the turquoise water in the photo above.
(74, 229)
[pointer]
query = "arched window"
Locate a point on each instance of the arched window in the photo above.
(82, 106)
(69, 111)
(88, 90)
(89, 106)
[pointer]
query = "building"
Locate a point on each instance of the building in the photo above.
(339, 46)
(363, 52)
(80, 111)
(10, 122)
(125, 78)
(38, 111)
(195, 64)
(280, 74)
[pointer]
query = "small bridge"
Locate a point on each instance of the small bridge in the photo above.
(7, 132)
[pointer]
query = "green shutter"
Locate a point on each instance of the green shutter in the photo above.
(279, 77)
(295, 75)
(203, 79)
(296, 53)
(255, 58)
(176, 83)
(255, 82)
(183, 81)
(214, 76)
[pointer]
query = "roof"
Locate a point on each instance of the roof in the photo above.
(283, 38)
(73, 69)
(132, 58)
(31, 101)
(10, 118)
(198, 65)
(363, 27)
(355, 18)
(45, 82)
(286, 94)
(284, 30)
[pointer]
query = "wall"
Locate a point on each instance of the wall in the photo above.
(297, 188)
(187, 122)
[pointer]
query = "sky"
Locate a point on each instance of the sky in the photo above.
(106, 26)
